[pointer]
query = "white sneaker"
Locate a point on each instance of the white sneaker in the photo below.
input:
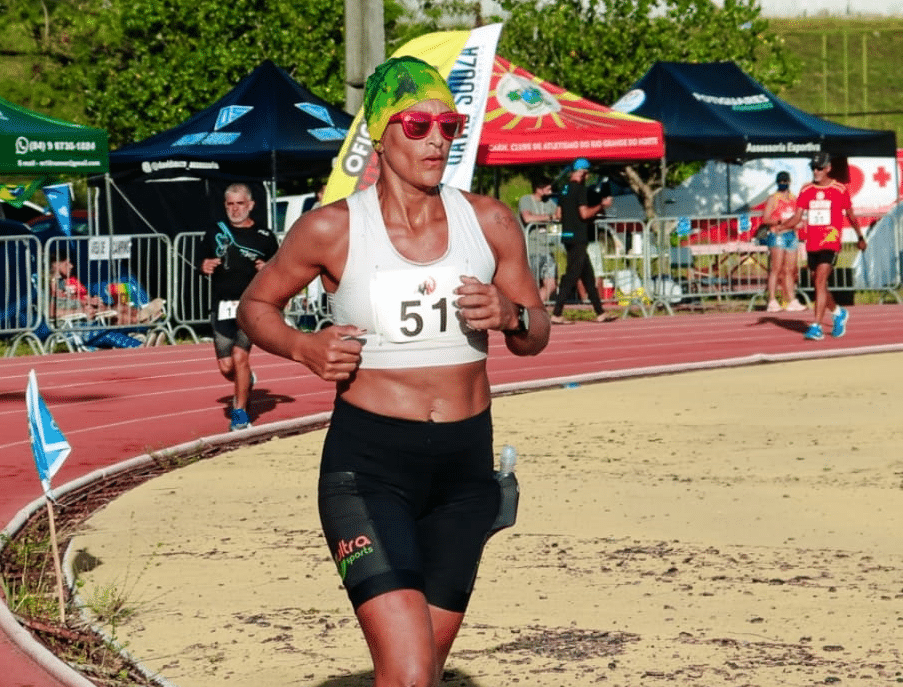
(773, 306)
(795, 306)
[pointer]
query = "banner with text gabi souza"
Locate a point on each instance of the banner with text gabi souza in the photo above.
(465, 59)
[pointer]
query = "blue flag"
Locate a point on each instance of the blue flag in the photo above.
(60, 197)
(48, 444)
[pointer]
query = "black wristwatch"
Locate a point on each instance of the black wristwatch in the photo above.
(523, 321)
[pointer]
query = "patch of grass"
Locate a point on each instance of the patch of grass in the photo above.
(114, 603)
(879, 297)
(28, 580)
(32, 593)
(850, 69)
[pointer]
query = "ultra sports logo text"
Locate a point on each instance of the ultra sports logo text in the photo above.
(347, 552)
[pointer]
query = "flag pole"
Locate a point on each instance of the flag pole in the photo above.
(50, 450)
(56, 562)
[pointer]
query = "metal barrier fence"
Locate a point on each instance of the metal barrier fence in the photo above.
(704, 258)
(646, 266)
(698, 260)
(96, 291)
(85, 292)
(20, 317)
(881, 266)
(615, 252)
(190, 287)
(191, 291)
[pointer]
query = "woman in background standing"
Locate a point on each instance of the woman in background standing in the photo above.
(783, 247)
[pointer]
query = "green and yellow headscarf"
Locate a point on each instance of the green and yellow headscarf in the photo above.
(398, 83)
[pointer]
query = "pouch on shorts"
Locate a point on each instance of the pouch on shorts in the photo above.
(510, 496)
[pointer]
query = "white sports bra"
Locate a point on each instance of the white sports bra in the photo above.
(408, 308)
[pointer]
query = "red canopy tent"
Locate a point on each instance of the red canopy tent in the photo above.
(531, 121)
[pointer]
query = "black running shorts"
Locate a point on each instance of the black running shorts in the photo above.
(407, 504)
(227, 335)
(821, 257)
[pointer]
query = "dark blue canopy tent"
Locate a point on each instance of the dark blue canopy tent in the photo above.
(268, 128)
(716, 111)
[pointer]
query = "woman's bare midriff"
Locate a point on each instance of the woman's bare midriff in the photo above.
(438, 394)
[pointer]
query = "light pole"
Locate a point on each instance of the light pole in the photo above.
(365, 47)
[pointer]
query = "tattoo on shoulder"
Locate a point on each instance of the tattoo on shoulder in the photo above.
(505, 219)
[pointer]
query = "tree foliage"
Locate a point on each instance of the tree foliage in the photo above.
(147, 65)
(600, 48)
(138, 67)
(25, 65)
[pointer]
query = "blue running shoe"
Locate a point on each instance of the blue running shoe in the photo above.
(814, 333)
(840, 323)
(240, 420)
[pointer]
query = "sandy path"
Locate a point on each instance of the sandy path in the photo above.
(733, 527)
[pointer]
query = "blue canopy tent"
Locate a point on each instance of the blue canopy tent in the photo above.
(716, 111)
(267, 128)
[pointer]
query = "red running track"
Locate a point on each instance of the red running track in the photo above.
(115, 405)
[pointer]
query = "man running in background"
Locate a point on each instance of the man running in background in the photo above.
(233, 252)
(826, 201)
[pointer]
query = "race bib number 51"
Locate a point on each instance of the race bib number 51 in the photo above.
(415, 304)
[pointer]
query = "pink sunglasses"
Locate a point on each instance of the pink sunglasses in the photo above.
(418, 124)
